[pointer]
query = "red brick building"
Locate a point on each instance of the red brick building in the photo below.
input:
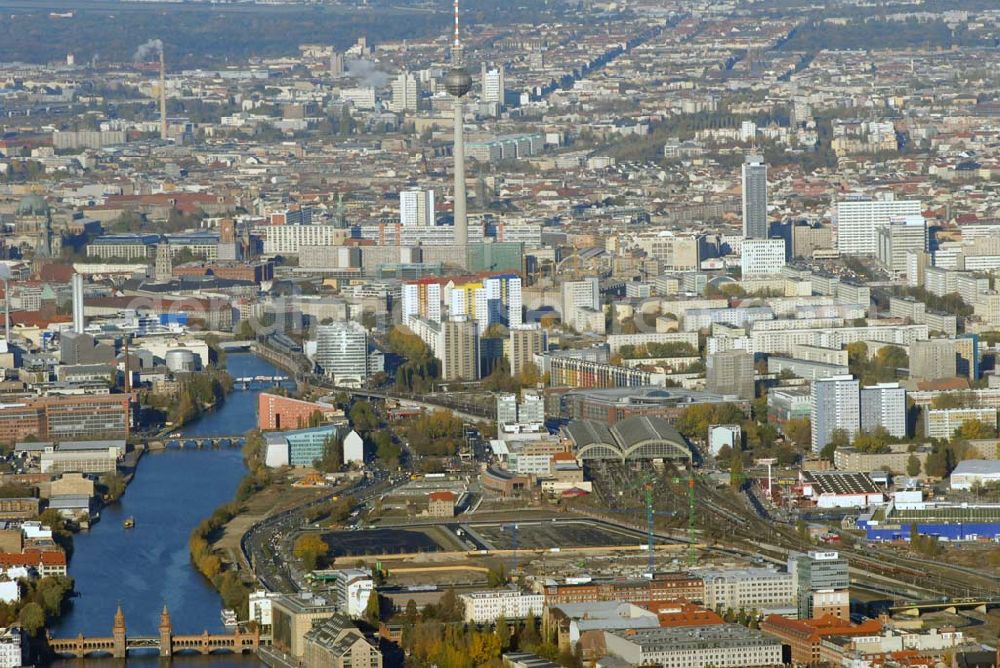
(277, 412)
(663, 587)
(66, 418)
(804, 636)
(673, 614)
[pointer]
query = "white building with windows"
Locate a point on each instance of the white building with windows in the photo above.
(493, 85)
(858, 220)
(352, 588)
(722, 646)
(884, 405)
(287, 239)
(11, 647)
(485, 607)
(343, 353)
(836, 404)
(404, 93)
(748, 588)
(762, 257)
(416, 207)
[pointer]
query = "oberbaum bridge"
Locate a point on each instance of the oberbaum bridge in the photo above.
(166, 643)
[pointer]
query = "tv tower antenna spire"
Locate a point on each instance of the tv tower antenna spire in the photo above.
(458, 82)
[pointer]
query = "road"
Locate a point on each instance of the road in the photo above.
(267, 545)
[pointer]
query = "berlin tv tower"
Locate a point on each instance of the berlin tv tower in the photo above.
(458, 82)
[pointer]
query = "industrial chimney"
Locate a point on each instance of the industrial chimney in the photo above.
(163, 96)
(78, 322)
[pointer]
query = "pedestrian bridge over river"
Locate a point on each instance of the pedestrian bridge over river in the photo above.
(119, 644)
(199, 442)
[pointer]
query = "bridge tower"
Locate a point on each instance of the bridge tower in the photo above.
(118, 635)
(166, 633)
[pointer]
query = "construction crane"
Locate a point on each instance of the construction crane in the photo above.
(647, 482)
(692, 553)
(737, 478)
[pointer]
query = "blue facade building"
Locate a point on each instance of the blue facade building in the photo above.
(947, 521)
(303, 446)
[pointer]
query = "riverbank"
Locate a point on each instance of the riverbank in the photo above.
(150, 565)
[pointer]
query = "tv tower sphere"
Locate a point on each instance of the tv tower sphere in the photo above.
(457, 82)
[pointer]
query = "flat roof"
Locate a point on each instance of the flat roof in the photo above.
(977, 467)
(840, 482)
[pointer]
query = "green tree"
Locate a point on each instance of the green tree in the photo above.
(363, 417)
(529, 637)
(497, 577)
(799, 431)
(503, 633)
(315, 418)
(839, 438)
(411, 614)
(234, 593)
(32, 618)
(386, 449)
(333, 455)
(736, 469)
(940, 461)
(874, 442)
(450, 608)
(113, 486)
(373, 609)
(311, 549)
(912, 465)
(857, 358)
(972, 430)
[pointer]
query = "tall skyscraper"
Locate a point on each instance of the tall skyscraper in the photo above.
(731, 372)
(754, 198)
(416, 207)
(822, 584)
(404, 93)
(836, 404)
(897, 239)
(459, 349)
(933, 359)
(163, 265)
(522, 344)
(336, 64)
(493, 84)
(342, 351)
(458, 82)
(857, 221)
(884, 405)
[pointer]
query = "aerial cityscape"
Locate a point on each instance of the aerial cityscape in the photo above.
(569, 333)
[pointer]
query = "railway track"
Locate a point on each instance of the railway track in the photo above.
(724, 514)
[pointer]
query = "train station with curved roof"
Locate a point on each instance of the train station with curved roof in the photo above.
(632, 439)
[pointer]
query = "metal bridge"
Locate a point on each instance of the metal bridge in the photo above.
(952, 605)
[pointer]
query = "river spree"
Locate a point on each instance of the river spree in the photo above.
(149, 566)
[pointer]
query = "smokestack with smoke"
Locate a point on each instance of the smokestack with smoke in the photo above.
(147, 50)
(366, 73)
(163, 95)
